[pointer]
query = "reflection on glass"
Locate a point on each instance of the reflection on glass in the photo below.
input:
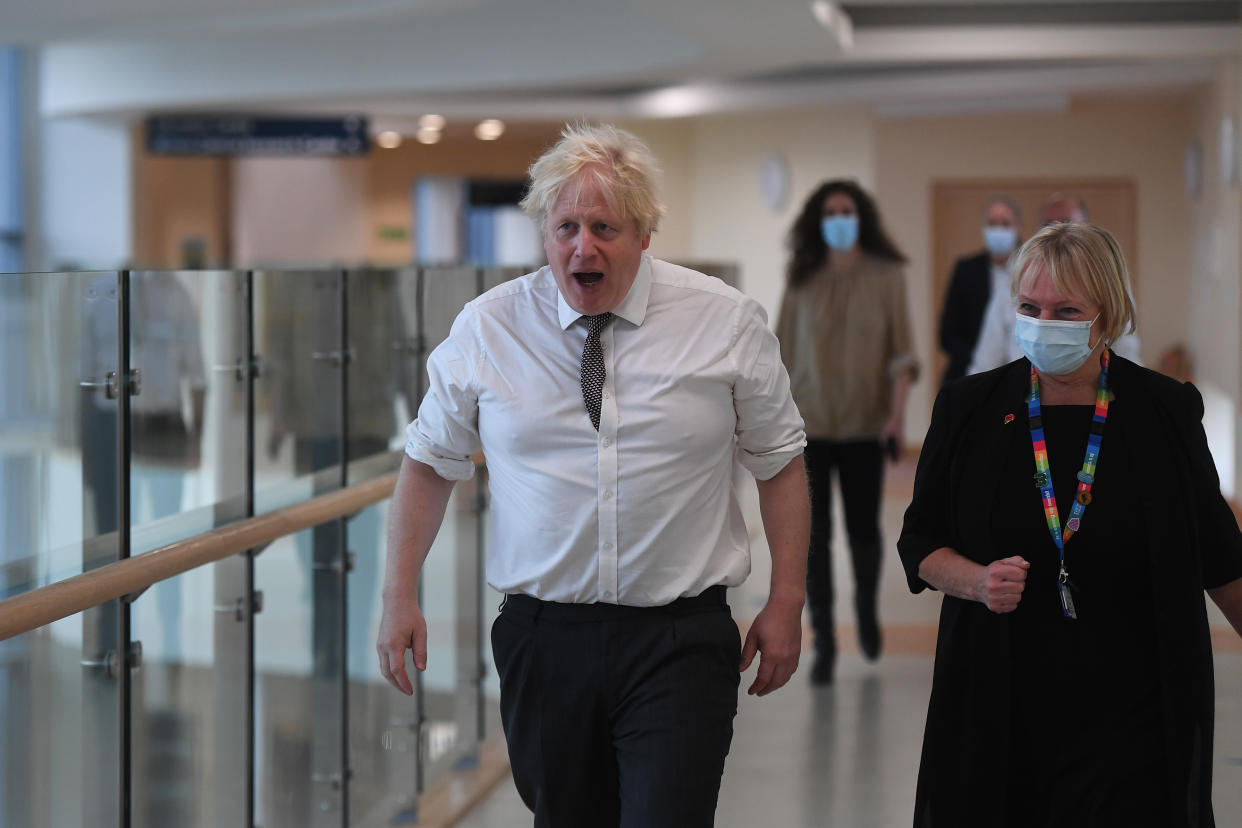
(58, 698)
(315, 655)
(288, 721)
(381, 386)
(174, 717)
(166, 422)
(445, 291)
(187, 475)
(298, 326)
(298, 433)
(382, 378)
(382, 722)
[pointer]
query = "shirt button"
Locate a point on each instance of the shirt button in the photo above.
(607, 442)
(607, 395)
(607, 494)
(607, 594)
(607, 546)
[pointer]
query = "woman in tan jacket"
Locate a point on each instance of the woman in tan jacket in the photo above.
(845, 340)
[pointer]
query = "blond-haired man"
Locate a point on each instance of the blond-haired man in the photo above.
(612, 394)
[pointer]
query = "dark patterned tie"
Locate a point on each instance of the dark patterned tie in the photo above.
(592, 371)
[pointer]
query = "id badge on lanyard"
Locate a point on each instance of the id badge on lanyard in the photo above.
(1086, 477)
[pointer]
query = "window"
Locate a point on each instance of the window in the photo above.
(11, 112)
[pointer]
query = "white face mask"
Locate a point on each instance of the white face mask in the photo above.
(1000, 241)
(1053, 346)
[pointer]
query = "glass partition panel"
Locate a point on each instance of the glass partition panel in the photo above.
(188, 475)
(444, 291)
(287, 719)
(177, 730)
(59, 688)
(490, 610)
(383, 369)
(446, 732)
(383, 723)
(382, 390)
(299, 423)
(298, 416)
(494, 276)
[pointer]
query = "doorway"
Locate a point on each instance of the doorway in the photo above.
(957, 216)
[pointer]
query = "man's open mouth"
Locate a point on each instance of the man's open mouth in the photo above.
(586, 279)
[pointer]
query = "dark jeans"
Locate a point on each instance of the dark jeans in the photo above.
(859, 467)
(618, 716)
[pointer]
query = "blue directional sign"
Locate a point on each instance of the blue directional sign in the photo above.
(252, 135)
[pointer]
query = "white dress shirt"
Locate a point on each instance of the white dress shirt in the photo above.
(644, 511)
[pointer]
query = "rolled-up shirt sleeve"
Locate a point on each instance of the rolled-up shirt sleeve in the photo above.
(446, 432)
(770, 430)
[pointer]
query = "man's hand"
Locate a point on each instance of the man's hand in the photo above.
(401, 628)
(417, 510)
(777, 636)
(1001, 584)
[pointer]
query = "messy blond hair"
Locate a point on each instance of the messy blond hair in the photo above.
(622, 166)
(1081, 260)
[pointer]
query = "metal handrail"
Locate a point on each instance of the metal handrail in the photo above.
(42, 606)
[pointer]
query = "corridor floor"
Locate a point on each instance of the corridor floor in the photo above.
(847, 755)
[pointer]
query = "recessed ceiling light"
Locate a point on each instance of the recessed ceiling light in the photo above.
(836, 20)
(388, 139)
(431, 121)
(489, 130)
(426, 135)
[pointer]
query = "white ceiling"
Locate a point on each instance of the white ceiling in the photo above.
(547, 59)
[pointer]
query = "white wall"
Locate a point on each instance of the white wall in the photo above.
(671, 143)
(299, 211)
(85, 194)
(729, 219)
(1215, 284)
(711, 171)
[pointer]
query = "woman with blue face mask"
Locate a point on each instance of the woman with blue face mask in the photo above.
(1067, 506)
(846, 343)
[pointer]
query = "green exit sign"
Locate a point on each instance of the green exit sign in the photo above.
(394, 233)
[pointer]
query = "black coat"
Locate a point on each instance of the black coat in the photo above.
(961, 318)
(1194, 544)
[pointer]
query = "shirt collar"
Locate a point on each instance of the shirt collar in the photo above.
(633, 307)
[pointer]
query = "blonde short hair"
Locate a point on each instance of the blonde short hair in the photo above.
(1081, 260)
(624, 169)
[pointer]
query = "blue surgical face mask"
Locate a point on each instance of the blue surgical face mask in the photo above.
(1053, 346)
(1000, 241)
(840, 232)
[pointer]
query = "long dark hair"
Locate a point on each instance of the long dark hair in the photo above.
(806, 240)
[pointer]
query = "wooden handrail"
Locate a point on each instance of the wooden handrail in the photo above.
(39, 607)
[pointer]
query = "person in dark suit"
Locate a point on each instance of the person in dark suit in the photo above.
(1073, 678)
(975, 279)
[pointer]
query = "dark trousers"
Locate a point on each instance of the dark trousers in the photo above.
(859, 467)
(618, 716)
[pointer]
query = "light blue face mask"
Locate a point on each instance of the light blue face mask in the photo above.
(840, 232)
(1000, 241)
(1053, 346)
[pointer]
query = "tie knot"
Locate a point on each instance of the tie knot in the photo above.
(596, 323)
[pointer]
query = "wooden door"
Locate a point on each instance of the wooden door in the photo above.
(957, 220)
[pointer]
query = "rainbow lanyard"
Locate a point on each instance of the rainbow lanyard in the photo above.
(1086, 477)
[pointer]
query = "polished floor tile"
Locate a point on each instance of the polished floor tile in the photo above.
(847, 755)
